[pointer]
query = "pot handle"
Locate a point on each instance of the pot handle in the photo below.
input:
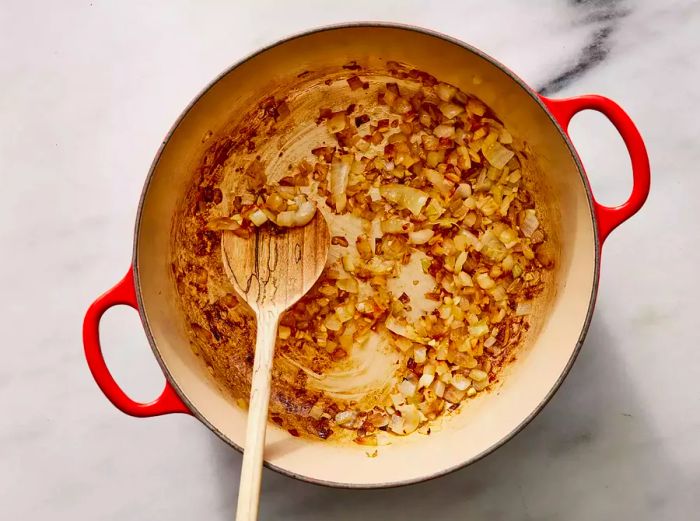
(609, 217)
(122, 293)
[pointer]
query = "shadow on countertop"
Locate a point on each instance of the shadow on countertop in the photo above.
(585, 456)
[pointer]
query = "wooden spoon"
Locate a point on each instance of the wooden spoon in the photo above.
(271, 270)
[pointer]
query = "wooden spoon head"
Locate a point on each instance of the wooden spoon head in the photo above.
(275, 267)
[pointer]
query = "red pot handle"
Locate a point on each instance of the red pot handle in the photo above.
(609, 217)
(123, 293)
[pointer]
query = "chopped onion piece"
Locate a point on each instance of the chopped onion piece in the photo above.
(407, 388)
(345, 418)
(286, 218)
(316, 412)
(484, 281)
(258, 217)
(405, 331)
(434, 210)
(350, 285)
(283, 332)
(340, 169)
(304, 214)
(420, 354)
(438, 181)
(459, 262)
(499, 293)
(530, 223)
(505, 137)
(337, 122)
(497, 154)
(396, 226)
(404, 196)
(425, 380)
(478, 375)
(438, 388)
(463, 191)
(396, 424)
(410, 416)
(444, 131)
(332, 323)
(421, 236)
(465, 280)
(480, 386)
(397, 399)
(478, 330)
(444, 91)
(476, 107)
(401, 105)
(454, 395)
(461, 382)
(450, 110)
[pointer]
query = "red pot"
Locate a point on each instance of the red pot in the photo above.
(583, 226)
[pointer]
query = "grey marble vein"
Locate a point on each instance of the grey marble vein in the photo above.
(604, 16)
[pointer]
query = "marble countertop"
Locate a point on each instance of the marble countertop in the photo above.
(88, 91)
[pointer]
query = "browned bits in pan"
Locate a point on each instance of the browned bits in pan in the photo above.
(339, 241)
(354, 82)
(361, 120)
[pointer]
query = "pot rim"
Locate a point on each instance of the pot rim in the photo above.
(589, 196)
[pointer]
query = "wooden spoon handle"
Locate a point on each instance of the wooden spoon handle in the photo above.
(251, 470)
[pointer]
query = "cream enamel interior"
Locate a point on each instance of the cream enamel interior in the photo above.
(486, 421)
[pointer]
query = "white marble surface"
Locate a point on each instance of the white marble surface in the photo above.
(88, 89)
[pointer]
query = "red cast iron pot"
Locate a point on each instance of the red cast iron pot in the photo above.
(581, 226)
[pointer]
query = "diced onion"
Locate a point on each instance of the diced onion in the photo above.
(478, 375)
(337, 122)
(484, 281)
(530, 223)
(407, 388)
(286, 218)
(396, 226)
(401, 105)
(410, 416)
(478, 330)
(397, 399)
(438, 388)
(421, 236)
(425, 380)
(444, 91)
(345, 418)
(450, 110)
(396, 424)
(316, 412)
(304, 214)
(438, 181)
(461, 382)
(404, 196)
(350, 285)
(258, 217)
(444, 131)
(453, 395)
(497, 154)
(340, 169)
